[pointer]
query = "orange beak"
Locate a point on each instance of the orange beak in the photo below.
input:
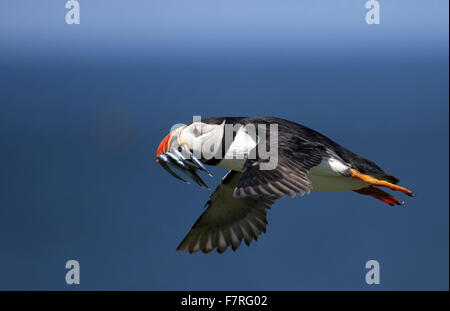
(164, 145)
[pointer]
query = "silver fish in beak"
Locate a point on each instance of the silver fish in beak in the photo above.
(172, 159)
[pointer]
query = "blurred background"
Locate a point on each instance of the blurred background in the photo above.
(83, 108)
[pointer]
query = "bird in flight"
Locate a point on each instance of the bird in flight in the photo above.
(268, 158)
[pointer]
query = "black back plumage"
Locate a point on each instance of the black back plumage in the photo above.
(290, 133)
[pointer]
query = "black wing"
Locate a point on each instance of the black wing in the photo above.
(295, 157)
(227, 220)
(358, 162)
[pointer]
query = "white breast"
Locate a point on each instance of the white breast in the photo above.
(238, 151)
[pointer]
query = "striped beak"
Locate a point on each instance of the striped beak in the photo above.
(179, 158)
(164, 145)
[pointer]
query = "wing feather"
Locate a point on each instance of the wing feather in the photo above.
(228, 220)
(289, 178)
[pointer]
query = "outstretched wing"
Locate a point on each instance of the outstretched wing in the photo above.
(295, 158)
(227, 220)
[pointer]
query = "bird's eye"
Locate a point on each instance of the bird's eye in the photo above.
(196, 132)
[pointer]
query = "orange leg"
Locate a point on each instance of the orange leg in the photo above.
(376, 182)
(380, 195)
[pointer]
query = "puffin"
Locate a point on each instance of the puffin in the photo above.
(267, 158)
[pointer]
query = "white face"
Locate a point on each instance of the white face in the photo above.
(204, 140)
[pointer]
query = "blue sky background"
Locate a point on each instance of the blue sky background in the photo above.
(83, 108)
